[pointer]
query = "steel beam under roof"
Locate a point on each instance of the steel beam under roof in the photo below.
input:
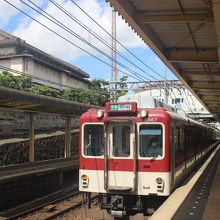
(174, 18)
(185, 34)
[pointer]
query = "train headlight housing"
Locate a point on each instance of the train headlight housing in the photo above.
(99, 113)
(85, 180)
(143, 113)
(160, 184)
(159, 180)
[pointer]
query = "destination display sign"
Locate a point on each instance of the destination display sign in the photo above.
(120, 107)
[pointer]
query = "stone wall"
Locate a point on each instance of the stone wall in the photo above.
(47, 146)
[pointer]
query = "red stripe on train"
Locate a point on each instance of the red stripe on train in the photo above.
(125, 165)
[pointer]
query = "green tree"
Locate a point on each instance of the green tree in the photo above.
(76, 94)
(100, 90)
(122, 86)
(97, 94)
(16, 82)
(44, 90)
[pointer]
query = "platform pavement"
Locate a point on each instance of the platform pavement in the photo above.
(169, 209)
(212, 210)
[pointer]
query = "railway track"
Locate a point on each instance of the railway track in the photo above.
(53, 209)
(66, 209)
(39, 203)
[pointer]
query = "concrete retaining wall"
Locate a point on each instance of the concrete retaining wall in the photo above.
(16, 123)
(18, 191)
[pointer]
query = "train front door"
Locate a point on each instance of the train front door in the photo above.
(120, 156)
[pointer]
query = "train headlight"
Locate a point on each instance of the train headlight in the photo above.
(85, 180)
(160, 184)
(99, 113)
(143, 113)
(159, 180)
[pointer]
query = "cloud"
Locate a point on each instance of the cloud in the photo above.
(38, 36)
(7, 12)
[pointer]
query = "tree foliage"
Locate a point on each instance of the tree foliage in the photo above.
(123, 87)
(15, 82)
(97, 94)
(44, 90)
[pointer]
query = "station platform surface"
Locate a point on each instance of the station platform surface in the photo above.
(203, 200)
(38, 167)
(199, 197)
(24, 183)
(212, 210)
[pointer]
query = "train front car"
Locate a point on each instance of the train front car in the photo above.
(124, 156)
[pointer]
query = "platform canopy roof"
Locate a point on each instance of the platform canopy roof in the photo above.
(15, 100)
(185, 34)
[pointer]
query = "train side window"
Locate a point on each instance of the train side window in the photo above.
(93, 140)
(150, 140)
(178, 139)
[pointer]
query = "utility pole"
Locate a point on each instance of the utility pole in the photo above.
(114, 72)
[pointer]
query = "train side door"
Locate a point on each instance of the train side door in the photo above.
(172, 153)
(120, 156)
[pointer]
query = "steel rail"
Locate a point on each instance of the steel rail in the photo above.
(61, 212)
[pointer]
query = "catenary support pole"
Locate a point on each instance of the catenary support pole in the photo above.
(67, 150)
(31, 137)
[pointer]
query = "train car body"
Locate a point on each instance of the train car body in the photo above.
(130, 154)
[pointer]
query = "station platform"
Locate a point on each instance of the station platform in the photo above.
(199, 197)
(25, 182)
(13, 171)
(212, 210)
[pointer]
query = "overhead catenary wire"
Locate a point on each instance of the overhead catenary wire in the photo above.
(161, 91)
(187, 101)
(20, 73)
(55, 21)
(59, 35)
(89, 30)
(97, 37)
(62, 37)
(121, 65)
(116, 39)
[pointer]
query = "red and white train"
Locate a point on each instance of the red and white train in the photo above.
(130, 155)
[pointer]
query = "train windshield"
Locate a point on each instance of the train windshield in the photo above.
(150, 140)
(93, 140)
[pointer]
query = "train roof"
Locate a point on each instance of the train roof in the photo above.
(144, 101)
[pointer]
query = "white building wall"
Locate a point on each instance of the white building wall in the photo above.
(17, 64)
(5, 63)
(49, 76)
(178, 98)
(43, 75)
(7, 51)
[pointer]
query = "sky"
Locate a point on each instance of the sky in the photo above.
(67, 46)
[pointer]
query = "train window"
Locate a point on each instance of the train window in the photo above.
(121, 140)
(150, 140)
(93, 140)
(178, 147)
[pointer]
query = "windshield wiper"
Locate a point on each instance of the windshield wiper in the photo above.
(154, 157)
